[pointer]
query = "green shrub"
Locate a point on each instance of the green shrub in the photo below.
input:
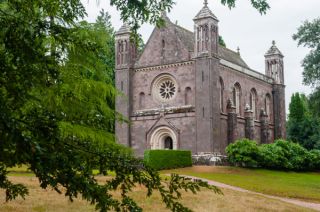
(272, 157)
(315, 159)
(284, 155)
(244, 153)
(167, 159)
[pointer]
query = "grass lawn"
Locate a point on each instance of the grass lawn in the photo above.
(24, 171)
(20, 171)
(41, 200)
(304, 185)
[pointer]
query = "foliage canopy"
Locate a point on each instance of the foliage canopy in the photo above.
(308, 35)
(303, 126)
(57, 102)
(306, 130)
(282, 155)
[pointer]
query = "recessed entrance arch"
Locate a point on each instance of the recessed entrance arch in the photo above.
(163, 138)
(168, 143)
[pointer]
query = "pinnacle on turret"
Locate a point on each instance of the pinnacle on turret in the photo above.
(273, 50)
(205, 3)
(205, 12)
(125, 28)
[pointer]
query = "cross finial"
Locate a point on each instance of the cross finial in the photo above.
(205, 3)
(273, 43)
(238, 50)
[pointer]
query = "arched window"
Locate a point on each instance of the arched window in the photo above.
(202, 38)
(125, 52)
(188, 96)
(274, 70)
(221, 89)
(141, 100)
(206, 37)
(268, 105)
(198, 38)
(119, 53)
(237, 97)
(163, 45)
(213, 38)
(253, 102)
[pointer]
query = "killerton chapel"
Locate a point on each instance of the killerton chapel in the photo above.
(186, 91)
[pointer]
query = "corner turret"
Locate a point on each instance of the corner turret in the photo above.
(274, 64)
(206, 32)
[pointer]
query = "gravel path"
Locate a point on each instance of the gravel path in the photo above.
(314, 206)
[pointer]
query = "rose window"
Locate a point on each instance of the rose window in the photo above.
(164, 88)
(167, 89)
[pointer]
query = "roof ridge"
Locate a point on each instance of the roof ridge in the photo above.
(220, 46)
(181, 27)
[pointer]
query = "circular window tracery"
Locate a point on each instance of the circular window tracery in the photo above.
(167, 89)
(164, 88)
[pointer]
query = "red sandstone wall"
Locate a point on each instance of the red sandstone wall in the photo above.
(230, 77)
(143, 80)
(185, 122)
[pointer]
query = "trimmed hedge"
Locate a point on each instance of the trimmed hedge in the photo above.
(167, 159)
(282, 155)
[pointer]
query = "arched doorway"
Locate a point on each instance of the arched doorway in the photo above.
(163, 138)
(168, 143)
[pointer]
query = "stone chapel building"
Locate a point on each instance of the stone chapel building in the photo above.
(185, 91)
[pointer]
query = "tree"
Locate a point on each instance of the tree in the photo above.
(308, 35)
(221, 41)
(57, 108)
(298, 107)
(56, 102)
(302, 127)
(314, 102)
(138, 12)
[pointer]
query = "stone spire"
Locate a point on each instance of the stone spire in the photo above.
(273, 50)
(205, 12)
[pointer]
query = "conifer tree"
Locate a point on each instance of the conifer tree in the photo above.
(57, 102)
(302, 127)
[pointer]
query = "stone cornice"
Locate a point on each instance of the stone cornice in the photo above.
(152, 68)
(246, 71)
(164, 110)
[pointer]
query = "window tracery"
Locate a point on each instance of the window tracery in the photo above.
(164, 88)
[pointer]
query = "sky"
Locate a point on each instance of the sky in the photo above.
(245, 28)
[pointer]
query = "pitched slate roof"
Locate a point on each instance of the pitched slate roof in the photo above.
(187, 37)
(231, 56)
